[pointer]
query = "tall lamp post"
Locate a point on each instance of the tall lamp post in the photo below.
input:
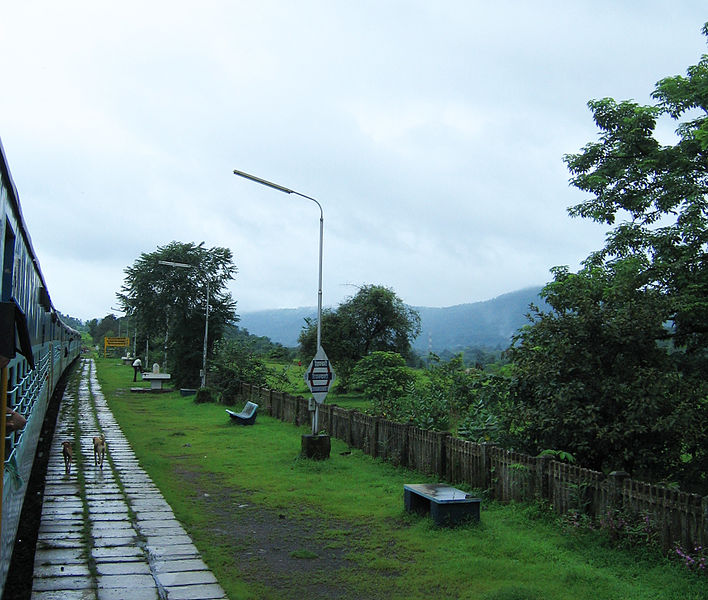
(319, 351)
(281, 188)
(206, 321)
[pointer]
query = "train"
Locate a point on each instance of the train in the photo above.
(36, 348)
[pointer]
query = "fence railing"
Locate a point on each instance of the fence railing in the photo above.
(678, 517)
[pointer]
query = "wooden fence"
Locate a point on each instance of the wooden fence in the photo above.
(678, 517)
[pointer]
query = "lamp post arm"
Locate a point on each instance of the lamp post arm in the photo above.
(282, 188)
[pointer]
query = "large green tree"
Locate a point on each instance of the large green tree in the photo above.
(168, 304)
(654, 194)
(616, 371)
(374, 319)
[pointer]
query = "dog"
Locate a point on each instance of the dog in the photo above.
(68, 453)
(99, 450)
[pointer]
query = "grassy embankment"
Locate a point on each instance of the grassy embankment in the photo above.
(351, 507)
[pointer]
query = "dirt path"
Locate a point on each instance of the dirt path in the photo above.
(285, 556)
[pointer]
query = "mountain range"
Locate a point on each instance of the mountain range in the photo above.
(488, 324)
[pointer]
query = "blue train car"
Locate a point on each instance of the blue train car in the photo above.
(36, 347)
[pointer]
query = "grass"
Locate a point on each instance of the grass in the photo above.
(295, 385)
(352, 506)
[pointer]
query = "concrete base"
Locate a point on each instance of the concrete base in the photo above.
(316, 447)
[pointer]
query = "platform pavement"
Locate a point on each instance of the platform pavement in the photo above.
(110, 535)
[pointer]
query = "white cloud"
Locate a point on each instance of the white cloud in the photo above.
(432, 133)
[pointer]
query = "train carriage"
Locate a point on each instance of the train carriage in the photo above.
(36, 347)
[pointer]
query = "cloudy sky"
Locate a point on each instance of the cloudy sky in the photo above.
(432, 133)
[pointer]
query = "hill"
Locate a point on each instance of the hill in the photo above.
(487, 324)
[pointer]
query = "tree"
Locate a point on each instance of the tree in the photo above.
(107, 327)
(168, 303)
(235, 362)
(590, 377)
(383, 377)
(660, 192)
(615, 371)
(374, 319)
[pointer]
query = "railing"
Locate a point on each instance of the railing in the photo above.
(678, 517)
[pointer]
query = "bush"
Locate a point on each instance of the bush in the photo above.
(204, 395)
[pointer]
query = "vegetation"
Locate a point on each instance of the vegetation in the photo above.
(616, 371)
(374, 319)
(168, 303)
(344, 517)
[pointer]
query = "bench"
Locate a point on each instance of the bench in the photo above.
(446, 505)
(156, 379)
(247, 416)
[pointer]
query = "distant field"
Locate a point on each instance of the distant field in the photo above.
(274, 526)
(296, 386)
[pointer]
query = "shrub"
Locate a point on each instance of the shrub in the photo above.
(204, 395)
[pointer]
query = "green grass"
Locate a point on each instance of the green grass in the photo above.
(296, 386)
(353, 505)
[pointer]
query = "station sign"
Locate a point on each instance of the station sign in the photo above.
(319, 376)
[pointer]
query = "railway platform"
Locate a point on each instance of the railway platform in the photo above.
(108, 534)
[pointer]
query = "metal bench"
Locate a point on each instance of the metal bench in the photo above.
(247, 416)
(446, 505)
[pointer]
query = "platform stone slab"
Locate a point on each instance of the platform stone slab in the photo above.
(126, 568)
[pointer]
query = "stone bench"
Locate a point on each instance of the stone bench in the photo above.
(446, 505)
(156, 379)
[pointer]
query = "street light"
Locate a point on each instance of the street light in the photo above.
(280, 188)
(206, 321)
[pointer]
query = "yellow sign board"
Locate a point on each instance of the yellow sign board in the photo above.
(115, 342)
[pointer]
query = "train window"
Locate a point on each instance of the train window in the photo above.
(8, 262)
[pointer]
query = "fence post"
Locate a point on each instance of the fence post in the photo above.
(486, 466)
(542, 483)
(616, 481)
(442, 454)
(704, 522)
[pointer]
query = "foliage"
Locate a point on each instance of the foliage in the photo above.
(204, 395)
(234, 362)
(374, 319)
(615, 370)
(383, 377)
(693, 560)
(425, 406)
(259, 345)
(660, 191)
(106, 327)
(168, 303)
(559, 455)
(590, 377)
(629, 530)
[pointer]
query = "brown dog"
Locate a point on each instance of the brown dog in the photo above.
(99, 450)
(68, 453)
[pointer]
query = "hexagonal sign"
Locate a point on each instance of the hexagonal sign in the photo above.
(319, 376)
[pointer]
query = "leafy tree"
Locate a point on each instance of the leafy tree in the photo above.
(168, 302)
(383, 377)
(234, 361)
(591, 379)
(106, 327)
(615, 372)
(375, 319)
(260, 345)
(658, 192)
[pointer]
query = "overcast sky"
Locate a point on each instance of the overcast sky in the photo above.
(432, 133)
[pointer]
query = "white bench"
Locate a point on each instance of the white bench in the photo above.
(156, 379)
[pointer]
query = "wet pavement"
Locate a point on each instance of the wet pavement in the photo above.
(107, 533)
